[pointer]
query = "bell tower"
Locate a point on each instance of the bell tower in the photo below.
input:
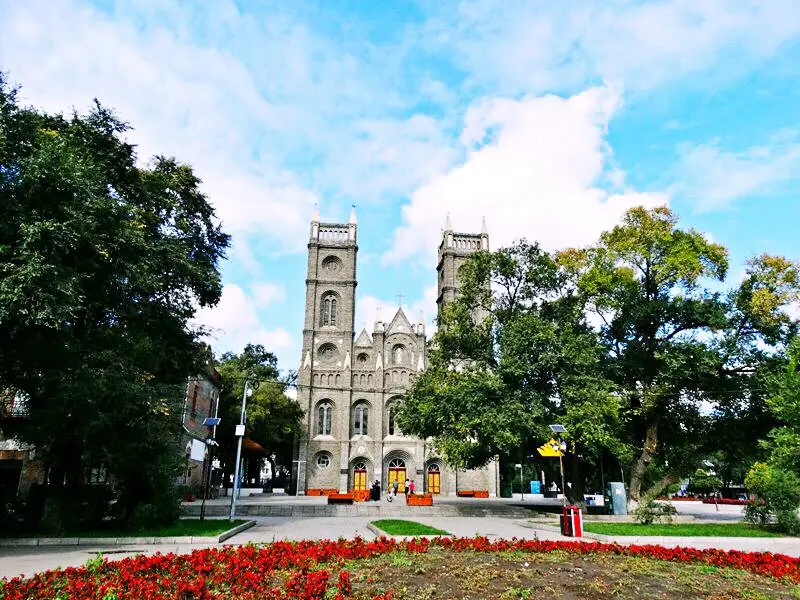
(454, 249)
(324, 381)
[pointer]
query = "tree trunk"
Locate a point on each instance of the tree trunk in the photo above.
(662, 484)
(640, 465)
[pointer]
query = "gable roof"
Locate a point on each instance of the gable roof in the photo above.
(363, 340)
(399, 324)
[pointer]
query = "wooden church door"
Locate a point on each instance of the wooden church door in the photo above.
(434, 479)
(397, 472)
(360, 476)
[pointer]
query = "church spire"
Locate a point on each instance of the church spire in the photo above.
(353, 215)
(448, 226)
(315, 214)
(484, 229)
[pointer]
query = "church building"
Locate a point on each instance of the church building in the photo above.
(350, 384)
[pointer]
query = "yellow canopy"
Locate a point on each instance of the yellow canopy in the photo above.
(548, 450)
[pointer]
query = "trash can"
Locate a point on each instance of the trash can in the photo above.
(571, 521)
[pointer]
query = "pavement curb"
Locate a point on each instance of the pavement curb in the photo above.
(225, 535)
(126, 541)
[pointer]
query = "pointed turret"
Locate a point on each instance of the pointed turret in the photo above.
(315, 222)
(484, 229)
(448, 225)
(353, 215)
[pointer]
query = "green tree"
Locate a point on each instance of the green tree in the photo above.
(103, 264)
(513, 354)
(672, 344)
(272, 418)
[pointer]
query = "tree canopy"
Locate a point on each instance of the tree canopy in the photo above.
(103, 263)
(629, 342)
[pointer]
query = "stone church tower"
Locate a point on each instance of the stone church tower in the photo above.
(349, 386)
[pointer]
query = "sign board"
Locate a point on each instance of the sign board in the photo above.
(198, 451)
(548, 450)
(536, 487)
(240, 430)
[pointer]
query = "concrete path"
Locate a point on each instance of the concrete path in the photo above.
(29, 560)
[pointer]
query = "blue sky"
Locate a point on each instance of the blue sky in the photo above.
(549, 118)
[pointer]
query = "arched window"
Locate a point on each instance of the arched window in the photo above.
(398, 353)
(361, 420)
(324, 419)
(329, 310)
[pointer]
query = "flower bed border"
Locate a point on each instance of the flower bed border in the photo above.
(240, 570)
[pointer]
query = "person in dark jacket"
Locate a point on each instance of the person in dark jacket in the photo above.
(375, 491)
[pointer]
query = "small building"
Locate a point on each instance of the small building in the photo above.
(201, 402)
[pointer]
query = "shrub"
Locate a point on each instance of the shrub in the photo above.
(779, 493)
(649, 511)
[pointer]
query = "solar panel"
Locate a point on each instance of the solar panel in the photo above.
(558, 428)
(211, 421)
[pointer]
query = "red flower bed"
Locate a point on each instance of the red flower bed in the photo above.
(733, 501)
(249, 572)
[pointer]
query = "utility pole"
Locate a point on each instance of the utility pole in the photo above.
(240, 435)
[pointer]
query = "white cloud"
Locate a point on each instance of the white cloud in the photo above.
(265, 294)
(234, 323)
(713, 178)
(521, 46)
(533, 169)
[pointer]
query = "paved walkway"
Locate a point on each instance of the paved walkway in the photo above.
(29, 560)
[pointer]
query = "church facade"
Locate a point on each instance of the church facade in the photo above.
(350, 385)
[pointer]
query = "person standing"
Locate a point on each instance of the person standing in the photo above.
(411, 487)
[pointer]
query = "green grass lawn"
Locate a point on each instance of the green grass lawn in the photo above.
(400, 527)
(183, 527)
(679, 529)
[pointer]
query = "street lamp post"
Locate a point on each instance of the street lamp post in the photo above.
(240, 435)
(560, 447)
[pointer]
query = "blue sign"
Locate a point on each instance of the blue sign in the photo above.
(536, 487)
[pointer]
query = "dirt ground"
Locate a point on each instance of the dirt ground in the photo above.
(441, 574)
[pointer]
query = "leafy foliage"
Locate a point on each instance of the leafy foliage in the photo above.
(504, 364)
(670, 373)
(103, 264)
(272, 418)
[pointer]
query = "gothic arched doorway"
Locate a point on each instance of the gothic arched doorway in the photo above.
(360, 476)
(397, 472)
(434, 479)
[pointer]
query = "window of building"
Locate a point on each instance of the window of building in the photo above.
(398, 354)
(393, 429)
(363, 358)
(329, 310)
(328, 352)
(332, 264)
(361, 420)
(324, 419)
(323, 461)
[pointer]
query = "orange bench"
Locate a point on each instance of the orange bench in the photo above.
(340, 498)
(313, 492)
(360, 495)
(465, 494)
(419, 499)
